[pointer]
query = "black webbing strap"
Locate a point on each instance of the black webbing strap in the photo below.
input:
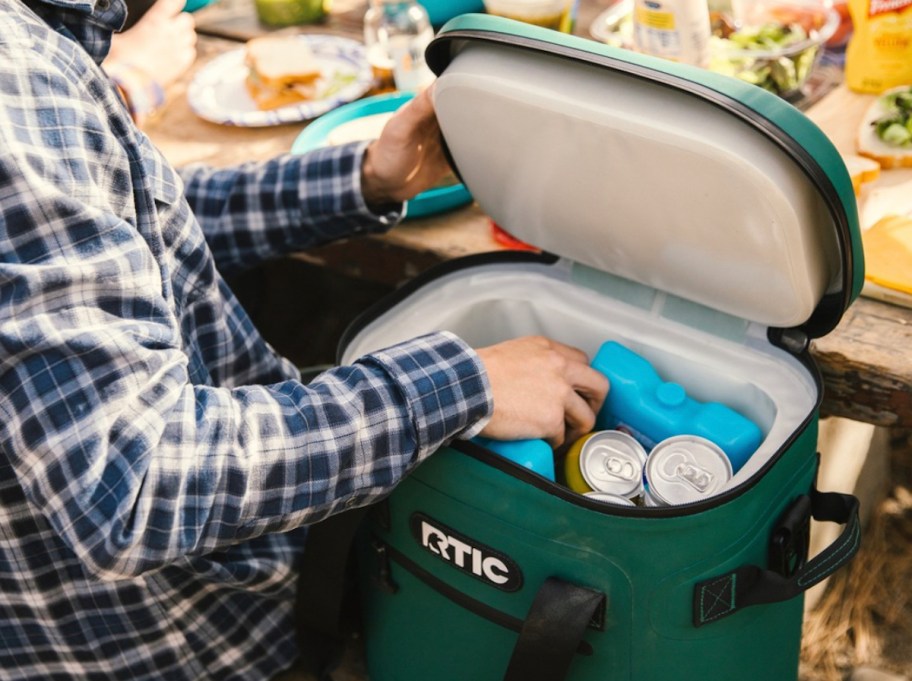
(324, 607)
(724, 595)
(552, 631)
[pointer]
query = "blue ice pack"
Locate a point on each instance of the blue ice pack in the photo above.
(650, 409)
(534, 454)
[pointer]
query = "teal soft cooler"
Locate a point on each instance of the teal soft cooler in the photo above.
(708, 226)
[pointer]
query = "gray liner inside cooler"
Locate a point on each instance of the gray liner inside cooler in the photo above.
(733, 363)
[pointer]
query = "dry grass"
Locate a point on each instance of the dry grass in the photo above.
(865, 616)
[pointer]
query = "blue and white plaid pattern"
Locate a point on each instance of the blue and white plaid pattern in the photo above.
(158, 462)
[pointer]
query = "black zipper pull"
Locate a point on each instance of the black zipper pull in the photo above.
(384, 576)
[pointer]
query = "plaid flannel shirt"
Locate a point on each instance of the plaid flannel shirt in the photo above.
(159, 462)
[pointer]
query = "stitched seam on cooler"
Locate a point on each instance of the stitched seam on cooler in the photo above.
(718, 597)
(854, 538)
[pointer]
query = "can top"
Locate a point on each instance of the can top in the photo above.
(612, 461)
(686, 468)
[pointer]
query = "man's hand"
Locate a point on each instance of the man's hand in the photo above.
(407, 158)
(541, 389)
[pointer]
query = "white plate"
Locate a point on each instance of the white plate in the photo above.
(217, 92)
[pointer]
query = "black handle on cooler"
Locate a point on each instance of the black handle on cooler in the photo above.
(790, 573)
(553, 629)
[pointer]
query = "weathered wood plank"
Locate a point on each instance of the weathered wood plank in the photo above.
(867, 364)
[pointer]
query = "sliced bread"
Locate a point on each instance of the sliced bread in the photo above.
(870, 144)
(861, 169)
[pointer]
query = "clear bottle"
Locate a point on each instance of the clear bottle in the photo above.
(674, 29)
(396, 33)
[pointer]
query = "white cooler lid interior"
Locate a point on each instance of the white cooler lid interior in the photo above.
(638, 179)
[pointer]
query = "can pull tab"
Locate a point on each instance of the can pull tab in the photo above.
(698, 478)
(623, 469)
(791, 538)
(681, 467)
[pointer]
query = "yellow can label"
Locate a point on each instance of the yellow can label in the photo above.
(573, 476)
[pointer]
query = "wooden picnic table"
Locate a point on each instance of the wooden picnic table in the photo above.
(865, 362)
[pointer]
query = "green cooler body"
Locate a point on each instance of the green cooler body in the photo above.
(708, 226)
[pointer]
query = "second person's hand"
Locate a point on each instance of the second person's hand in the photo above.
(162, 43)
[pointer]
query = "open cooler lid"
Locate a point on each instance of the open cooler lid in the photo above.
(668, 175)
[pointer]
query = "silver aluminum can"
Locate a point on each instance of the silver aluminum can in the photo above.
(684, 469)
(608, 498)
(649, 500)
(612, 461)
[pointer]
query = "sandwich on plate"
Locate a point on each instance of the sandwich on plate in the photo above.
(885, 134)
(281, 71)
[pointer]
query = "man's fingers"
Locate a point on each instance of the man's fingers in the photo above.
(590, 384)
(416, 117)
(589, 388)
(541, 388)
(423, 104)
(167, 8)
(579, 417)
(569, 352)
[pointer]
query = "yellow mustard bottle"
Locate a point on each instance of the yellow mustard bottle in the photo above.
(879, 55)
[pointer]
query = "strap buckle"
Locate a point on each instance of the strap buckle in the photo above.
(791, 539)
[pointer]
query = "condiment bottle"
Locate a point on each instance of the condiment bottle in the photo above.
(879, 54)
(396, 33)
(674, 29)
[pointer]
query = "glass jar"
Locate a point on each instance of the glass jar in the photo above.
(280, 13)
(396, 33)
(554, 14)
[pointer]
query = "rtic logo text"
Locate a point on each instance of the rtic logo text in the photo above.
(476, 559)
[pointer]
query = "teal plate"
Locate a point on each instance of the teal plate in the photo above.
(441, 11)
(430, 202)
(193, 5)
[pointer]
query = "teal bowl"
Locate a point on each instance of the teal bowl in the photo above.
(193, 5)
(441, 11)
(430, 202)
(137, 8)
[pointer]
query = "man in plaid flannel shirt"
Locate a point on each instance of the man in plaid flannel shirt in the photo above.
(159, 463)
